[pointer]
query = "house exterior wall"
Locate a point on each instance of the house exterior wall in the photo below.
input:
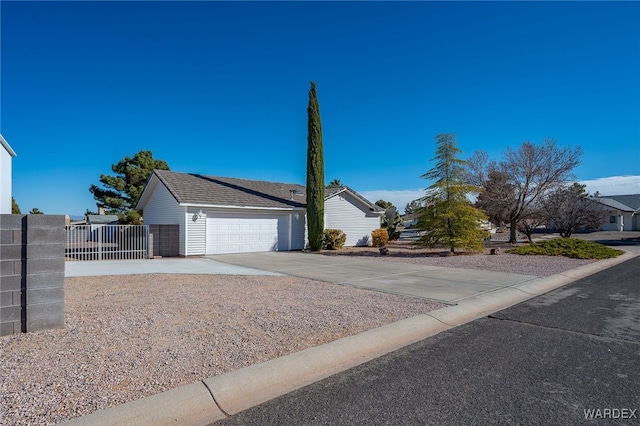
(344, 212)
(298, 230)
(196, 231)
(628, 221)
(163, 209)
(624, 221)
(5, 181)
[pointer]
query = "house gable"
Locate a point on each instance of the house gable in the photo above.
(353, 215)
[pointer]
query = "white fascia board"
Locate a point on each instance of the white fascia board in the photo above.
(6, 146)
(217, 206)
(335, 193)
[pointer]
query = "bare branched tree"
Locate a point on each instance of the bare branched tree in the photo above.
(569, 209)
(531, 172)
(497, 199)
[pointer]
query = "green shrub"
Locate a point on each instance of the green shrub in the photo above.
(568, 247)
(334, 239)
(379, 237)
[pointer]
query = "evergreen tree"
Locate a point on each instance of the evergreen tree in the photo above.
(119, 194)
(448, 217)
(315, 173)
(15, 208)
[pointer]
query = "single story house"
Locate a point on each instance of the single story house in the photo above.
(6, 156)
(219, 215)
(622, 212)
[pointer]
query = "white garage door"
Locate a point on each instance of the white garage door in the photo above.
(238, 235)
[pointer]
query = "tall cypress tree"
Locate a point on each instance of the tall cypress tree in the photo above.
(315, 173)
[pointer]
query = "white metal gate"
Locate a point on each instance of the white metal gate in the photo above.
(106, 242)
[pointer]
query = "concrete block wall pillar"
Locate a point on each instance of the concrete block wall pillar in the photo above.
(11, 273)
(45, 272)
(31, 273)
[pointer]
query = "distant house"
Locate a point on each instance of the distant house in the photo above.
(6, 156)
(228, 215)
(623, 212)
(102, 219)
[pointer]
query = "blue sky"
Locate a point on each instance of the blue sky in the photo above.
(221, 88)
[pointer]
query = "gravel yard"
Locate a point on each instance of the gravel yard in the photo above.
(136, 335)
(540, 266)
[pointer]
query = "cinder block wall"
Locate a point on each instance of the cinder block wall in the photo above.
(166, 240)
(31, 273)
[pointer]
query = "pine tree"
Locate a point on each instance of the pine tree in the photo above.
(15, 208)
(449, 218)
(119, 194)
(315, 173)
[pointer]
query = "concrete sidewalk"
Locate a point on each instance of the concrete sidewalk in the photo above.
(215, 398)
(170, 265)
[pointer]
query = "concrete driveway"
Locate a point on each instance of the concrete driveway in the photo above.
(448, 285)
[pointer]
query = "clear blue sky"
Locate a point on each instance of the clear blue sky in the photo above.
(221, 88)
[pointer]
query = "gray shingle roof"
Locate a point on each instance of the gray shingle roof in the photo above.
(191, 188)
(632, 201)
(101, 219)
(627, 203)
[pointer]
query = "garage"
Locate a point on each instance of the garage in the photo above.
(218, 215)
(241, 234)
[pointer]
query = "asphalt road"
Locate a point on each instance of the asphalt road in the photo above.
(555, 359)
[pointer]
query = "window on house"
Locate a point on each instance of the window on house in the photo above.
(612, 219)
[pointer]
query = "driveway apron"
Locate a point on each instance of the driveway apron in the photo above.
(448, 285)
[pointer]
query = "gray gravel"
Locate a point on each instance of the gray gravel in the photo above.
(131, 336)
(541, 266)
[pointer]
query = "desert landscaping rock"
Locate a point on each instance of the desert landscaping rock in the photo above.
(131, 336)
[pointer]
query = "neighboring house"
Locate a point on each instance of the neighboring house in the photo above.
(228, 215)
(102, 219)
(6, 155)
(623, 212)
(99, 227)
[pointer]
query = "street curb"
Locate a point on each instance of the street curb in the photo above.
(214, 398)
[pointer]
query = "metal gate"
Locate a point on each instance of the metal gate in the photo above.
(106, 242)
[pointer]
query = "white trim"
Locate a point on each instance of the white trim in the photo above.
(6, 146)
(219, 206)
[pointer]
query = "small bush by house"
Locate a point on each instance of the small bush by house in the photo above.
(334, 239)
(379, 237)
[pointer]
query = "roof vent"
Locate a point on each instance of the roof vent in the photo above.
(294, 192)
